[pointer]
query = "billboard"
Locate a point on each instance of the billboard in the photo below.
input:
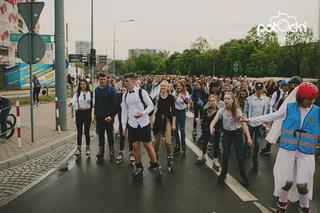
(18, 76)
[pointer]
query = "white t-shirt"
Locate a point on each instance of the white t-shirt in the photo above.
(180, 104)
(230, 123)
(83, 102)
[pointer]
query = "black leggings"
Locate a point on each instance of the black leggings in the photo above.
(216, 142)
(236, 138)
(83, 118)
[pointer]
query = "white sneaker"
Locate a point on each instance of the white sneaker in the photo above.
(78, 152)
(201, 159)
(131, 157)
(216, 163)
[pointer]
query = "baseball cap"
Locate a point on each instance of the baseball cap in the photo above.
(284, 82)
(259, 85)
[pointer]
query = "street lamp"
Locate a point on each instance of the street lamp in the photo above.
(114, 42)
(214, 59)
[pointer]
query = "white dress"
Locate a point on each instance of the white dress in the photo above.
(281, 167)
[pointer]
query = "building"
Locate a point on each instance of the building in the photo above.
(102, 59)
(83, 47)
(11, 22)
(138, 52)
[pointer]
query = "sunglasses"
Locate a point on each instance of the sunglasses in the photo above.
(84, 96)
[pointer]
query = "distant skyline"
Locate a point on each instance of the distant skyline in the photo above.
(170, 24)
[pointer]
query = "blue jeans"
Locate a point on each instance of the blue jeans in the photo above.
(235, 137)
(180, 125)
(256, 134)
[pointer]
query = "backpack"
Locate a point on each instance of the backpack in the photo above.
(277, 99)
(142, 101)
(278, 96)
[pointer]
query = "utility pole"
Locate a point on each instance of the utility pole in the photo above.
(92, 66)
(60, 71)
(67, 54)
(214, 64)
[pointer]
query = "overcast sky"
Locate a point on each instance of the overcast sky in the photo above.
(171, 24)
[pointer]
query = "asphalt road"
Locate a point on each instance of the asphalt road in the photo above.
(107, 187)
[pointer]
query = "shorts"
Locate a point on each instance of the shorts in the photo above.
(139, 134)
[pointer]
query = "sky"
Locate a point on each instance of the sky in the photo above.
(170, 24)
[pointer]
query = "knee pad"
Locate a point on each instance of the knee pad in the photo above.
(287, 187)
(303, 188)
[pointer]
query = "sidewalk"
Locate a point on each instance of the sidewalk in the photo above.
(46, 138)
(21, 93)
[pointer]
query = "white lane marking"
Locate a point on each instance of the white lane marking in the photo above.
(262, 208)
(233, 184)
(273, 209)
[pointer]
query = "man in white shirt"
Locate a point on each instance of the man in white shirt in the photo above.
(136, 106)
(256, 105)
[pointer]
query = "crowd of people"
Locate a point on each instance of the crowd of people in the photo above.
(237, 111)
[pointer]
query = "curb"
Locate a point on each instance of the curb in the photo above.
(41, 178)
(36, 153)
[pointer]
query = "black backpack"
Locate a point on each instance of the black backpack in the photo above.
(142, 101)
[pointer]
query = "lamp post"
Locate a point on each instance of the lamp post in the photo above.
(92, 67)
(214, 59)
(114, 42)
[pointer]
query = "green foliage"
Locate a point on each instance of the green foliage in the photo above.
(255, 55)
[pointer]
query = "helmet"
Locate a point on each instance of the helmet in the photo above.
(307, 90)
(295, 80)
(283, 82)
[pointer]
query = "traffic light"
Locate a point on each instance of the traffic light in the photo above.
(85, 60)
(92, 57)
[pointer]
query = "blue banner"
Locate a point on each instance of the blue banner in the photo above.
(18, 76)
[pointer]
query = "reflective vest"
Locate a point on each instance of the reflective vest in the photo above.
(305, 138)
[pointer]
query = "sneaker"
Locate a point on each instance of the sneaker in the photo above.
(216, 163)
(201, 159)
(120, 156)
(177, 150)
(194, 132)
(78, 152)
(183, 148)
(265, 151)
(117, 135)
(88, 150)
(282, 207)
(222, 176)
(304, 210)
(131, 157)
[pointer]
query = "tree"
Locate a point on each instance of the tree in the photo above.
(201, 44)
(297, 46)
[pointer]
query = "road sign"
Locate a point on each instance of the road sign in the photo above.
(73, 58)
(15, 37)
(38, 48)
(30, 13)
